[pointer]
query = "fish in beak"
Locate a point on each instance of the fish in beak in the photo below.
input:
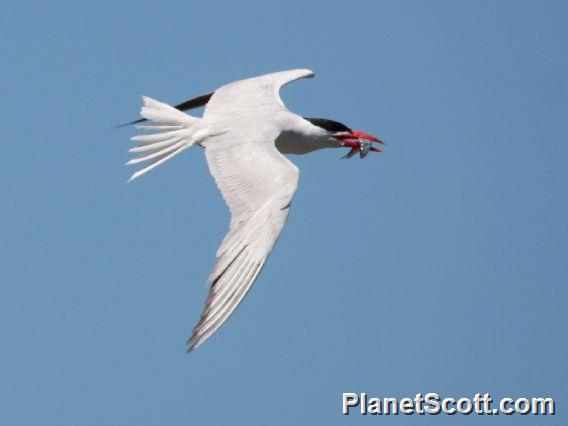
(359, 142)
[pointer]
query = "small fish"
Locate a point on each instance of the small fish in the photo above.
(362, 146)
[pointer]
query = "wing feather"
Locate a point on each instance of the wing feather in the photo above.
(257, 183)
(257, 93)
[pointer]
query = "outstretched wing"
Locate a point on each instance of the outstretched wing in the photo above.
(258, 184)
(259, 94)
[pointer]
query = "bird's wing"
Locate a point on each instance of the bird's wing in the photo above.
(258, 184)
(258, 93)
(256, 181)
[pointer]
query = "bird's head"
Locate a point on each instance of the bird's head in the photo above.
(358, 141)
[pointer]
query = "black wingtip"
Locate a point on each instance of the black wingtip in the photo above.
(140, 120)
(195, 102)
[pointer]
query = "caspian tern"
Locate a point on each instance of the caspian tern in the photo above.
(245, 129)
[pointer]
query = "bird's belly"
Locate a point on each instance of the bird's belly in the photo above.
(296, 143)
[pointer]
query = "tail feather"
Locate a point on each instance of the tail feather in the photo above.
(162, 113)
(175, 132)
(157, 153)
(158, 127)
(152, 146)
(158, 137)
(155, 163)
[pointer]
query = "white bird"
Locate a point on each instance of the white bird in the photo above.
(245, 129)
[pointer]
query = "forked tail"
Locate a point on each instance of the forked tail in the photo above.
(174, 132)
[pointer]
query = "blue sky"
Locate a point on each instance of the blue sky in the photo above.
(438, 266)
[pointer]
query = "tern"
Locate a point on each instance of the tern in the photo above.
(245, 130)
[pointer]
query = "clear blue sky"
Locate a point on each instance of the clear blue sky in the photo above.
(440, 265)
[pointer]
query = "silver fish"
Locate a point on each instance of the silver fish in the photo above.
(364, 147)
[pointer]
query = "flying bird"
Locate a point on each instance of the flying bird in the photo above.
(245, 130)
